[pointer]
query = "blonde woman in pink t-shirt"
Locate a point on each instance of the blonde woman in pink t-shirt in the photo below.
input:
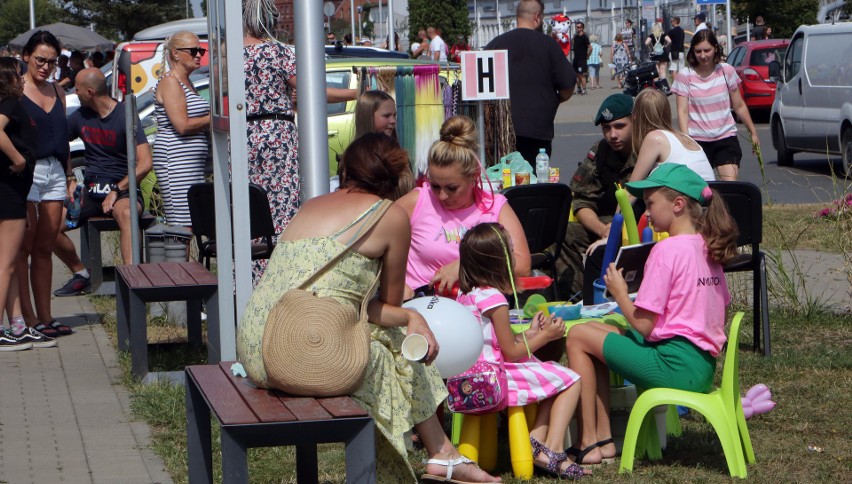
(677, 321)
(707, 90)
(447, 205)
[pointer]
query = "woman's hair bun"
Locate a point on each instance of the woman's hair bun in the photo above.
(460, 131)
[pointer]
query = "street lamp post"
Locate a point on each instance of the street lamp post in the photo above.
(352, 18)
(32, 14)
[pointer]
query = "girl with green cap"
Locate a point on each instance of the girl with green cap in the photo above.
(678, 317)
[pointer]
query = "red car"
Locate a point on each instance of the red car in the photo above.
(751, 61)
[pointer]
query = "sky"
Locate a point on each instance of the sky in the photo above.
(196, 8)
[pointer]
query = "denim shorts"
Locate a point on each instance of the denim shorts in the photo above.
(594, 70)
(48, 181)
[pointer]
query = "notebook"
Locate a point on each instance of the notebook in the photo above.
(632, 258)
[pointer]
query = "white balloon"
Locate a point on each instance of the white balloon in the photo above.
(456, 329)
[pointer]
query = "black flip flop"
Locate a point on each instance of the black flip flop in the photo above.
(578, 454)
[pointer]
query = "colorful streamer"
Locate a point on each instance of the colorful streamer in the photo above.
(629, 217)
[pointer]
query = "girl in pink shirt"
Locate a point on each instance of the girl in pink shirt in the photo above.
(485, 275)
(707, 90)
(678, 319)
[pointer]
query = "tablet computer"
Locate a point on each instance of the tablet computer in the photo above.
(632, 258)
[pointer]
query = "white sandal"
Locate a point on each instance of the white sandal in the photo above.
(449, 464)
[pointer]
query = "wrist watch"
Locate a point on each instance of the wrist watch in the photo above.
(113, 187)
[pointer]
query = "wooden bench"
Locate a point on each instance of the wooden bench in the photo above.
(103, 276)
(252, 417)
(159, 282)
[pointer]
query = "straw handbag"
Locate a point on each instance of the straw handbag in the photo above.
(316, 346)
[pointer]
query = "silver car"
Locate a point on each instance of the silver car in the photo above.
(812, 111)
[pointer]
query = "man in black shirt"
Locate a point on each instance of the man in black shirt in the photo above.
(582, 49)
(676, 35)
(100, 124)
(759, 30)
(540, 78)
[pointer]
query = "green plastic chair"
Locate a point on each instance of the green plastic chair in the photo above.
(722, 408)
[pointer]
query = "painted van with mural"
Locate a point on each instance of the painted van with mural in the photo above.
(138, 65)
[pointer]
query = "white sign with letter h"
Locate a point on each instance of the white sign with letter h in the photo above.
(485, 75)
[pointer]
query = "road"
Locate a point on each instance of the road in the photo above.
(808, 181)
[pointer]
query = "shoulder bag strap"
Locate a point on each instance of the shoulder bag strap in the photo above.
(375, 214)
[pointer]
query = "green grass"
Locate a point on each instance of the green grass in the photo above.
(809, 373)
(797, 226)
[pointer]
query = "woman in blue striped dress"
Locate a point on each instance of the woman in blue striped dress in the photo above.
(183, 118)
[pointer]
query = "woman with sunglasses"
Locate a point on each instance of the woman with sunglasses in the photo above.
(183, 118)
(44, 101)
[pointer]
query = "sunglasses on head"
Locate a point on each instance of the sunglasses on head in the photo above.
(41, 61)
(193, 51)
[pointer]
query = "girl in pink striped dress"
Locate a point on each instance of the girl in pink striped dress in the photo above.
(485, 274)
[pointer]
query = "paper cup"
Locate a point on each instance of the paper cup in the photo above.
(415, 347)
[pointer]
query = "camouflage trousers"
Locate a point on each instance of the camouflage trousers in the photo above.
(570, 264)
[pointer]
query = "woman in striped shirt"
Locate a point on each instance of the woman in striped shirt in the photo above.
(707, 90)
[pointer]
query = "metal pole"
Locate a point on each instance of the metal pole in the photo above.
(748, 29)
(730, 33)
(499, 20)
(32, 14)
(480, 123)
(310, 86)
(391, 27)
(351, 20)
(379, 25)
(130, 120)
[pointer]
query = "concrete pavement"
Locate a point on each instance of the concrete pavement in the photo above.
(64, 415)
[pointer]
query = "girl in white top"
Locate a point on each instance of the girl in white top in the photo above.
(656, 141)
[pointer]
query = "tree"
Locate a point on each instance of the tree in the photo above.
(450, 16)
(15, 17)
(121, 19)
(784, 16)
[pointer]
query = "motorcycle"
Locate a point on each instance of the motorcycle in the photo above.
(643, 76)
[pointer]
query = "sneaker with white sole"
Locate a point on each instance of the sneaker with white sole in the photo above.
(37, 339)
(8, 342)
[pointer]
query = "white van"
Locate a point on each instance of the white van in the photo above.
(812, 111)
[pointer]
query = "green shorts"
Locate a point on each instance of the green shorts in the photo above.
(673, 363)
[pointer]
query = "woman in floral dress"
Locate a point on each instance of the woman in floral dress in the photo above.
(273, 142)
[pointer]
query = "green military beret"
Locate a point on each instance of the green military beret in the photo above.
(614, 107)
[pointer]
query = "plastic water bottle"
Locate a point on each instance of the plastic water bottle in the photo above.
(74, 208)
(542, 166)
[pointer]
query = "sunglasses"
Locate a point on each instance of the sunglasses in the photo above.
(41, 61)
(193, 51)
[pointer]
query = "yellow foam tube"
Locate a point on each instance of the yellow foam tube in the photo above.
(469, 439)
(629, 217)
(488, 442)
(519, 444)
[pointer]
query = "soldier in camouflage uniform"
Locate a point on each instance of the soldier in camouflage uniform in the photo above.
(609, 161)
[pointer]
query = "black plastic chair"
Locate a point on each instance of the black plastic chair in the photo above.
(745, 204)
(543, 210)
(202, 211)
